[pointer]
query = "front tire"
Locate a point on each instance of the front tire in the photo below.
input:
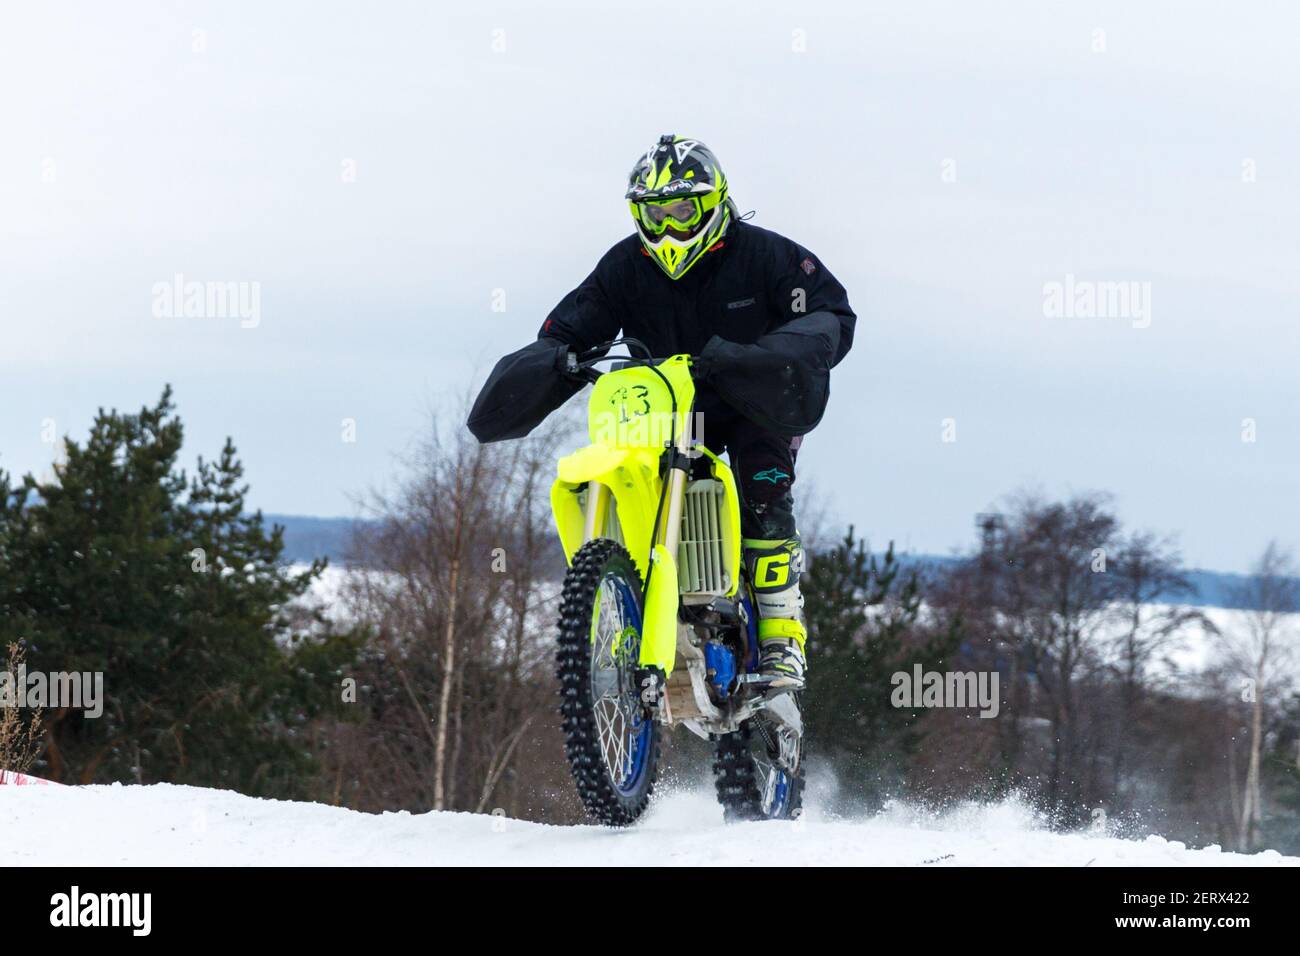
(611, 742)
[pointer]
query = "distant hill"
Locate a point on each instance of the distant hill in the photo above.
(308, 537)
(1213, 588)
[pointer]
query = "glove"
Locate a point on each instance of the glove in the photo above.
(704, 365)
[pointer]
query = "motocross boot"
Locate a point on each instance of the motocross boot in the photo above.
(774, 567)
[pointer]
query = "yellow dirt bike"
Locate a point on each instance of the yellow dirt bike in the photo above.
(657, 625)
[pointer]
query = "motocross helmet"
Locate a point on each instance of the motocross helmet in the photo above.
(678, 197)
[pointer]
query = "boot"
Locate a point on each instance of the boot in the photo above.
(774, 568)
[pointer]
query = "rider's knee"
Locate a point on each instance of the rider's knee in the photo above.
(769, 519)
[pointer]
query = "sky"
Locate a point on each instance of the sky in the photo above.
(402, 191)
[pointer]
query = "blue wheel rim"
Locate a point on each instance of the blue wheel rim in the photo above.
(627, 735)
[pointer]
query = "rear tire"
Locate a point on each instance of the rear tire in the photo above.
(743, 768)
(611, 743)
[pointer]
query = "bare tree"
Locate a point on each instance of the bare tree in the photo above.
(456, 574)
(1148, 580)
(20, 738)
(1054, 593)
(1260, 654)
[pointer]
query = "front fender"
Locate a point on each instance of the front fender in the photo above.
(631, 475)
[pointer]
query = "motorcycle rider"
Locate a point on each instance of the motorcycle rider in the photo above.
(696, 278)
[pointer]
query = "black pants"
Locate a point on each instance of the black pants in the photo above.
(763, 463)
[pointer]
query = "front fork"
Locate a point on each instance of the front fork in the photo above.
(659, 624)
(659, 634)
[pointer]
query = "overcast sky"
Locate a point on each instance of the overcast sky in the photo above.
(379, 169)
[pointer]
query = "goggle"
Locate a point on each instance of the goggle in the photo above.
(656, 215)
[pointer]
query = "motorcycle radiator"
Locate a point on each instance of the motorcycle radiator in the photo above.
(701, 569)
(700, 565)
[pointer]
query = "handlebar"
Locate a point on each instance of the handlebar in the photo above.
(599, 350)
(581, 364)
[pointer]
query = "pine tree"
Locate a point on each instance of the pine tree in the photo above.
(862, 628)
(123, 565)
(1280, 823)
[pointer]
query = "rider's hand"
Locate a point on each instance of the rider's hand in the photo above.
(704, 364)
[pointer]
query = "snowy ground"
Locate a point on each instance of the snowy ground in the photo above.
(186, 826)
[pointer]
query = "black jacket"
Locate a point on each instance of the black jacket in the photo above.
(766, 318)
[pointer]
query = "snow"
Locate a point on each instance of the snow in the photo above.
(166, 825)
